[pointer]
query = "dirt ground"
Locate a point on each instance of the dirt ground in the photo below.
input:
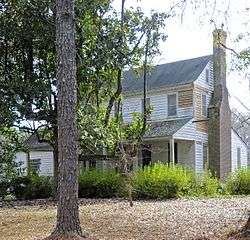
(116, 220)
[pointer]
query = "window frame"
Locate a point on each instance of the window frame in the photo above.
(204, 114)
(176, 104)
(207, 75)
(31, 165)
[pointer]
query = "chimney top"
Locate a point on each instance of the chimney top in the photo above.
(220, 37)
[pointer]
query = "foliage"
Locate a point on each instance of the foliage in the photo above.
(32, 187)
(10, 143)
(161, 181)
(239, 182)
(100, 184)
(206, 185)
(27, 70)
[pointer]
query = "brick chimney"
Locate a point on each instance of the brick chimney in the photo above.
(219, 113)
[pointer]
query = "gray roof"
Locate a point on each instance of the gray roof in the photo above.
(165, 128)
(167, 75)
(33, 143)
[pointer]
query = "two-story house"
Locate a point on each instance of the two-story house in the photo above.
(190, 122)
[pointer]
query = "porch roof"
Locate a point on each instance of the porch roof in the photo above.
(34, 144)
(165, 128)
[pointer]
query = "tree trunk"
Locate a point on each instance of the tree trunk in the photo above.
(55, 156)
(68, 223)
(247, 227)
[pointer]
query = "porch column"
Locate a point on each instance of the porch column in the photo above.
(171, 143)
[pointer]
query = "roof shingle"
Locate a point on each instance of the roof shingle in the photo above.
(165, 128)
(167, 75)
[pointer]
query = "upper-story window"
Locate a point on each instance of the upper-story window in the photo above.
(204, 105)
(207, 75)
(172, 108)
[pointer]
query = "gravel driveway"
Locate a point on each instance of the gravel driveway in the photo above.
(113, 219)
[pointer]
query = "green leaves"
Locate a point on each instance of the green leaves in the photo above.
(10, 143)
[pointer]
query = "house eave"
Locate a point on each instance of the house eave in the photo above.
(160, 90)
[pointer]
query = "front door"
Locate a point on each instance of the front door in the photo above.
(146, 155)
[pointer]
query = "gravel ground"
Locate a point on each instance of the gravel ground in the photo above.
(114, 219)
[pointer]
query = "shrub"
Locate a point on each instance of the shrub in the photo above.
(100, 184)
(239, 182)
(206, 185)
(4, 185)
(32, 187)
(160, 181)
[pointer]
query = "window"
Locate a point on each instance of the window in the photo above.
(35, 165)
(172, 109)
(205, 154)
(204, 105)
(207, 75)
(238, 157)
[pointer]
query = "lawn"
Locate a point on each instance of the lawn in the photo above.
(113, 219)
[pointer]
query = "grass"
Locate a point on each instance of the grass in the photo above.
(115, 220)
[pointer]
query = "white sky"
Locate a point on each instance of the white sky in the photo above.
(193, 37)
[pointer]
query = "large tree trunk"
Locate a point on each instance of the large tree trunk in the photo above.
(68, 223)
(247, 227)
(55, 156)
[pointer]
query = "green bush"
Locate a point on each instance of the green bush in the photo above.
(161, 181)
(100, 184)
(206, 185)
(32, 187)
(4, 186)
(239, 182)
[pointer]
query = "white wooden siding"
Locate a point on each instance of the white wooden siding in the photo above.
(198, 157)
(21, 160)
(201, 80)
(47, 166)
(201, 136)
(131, 105)
(186, 156)
(159, 104)
(187, 132)
(238, 143)
(185, 112)
(159, 107)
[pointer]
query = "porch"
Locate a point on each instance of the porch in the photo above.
(168, 151)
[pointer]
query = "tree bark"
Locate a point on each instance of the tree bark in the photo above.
(68, 223)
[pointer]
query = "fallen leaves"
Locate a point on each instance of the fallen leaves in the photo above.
(147, 220)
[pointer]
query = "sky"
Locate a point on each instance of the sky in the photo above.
(191, 36)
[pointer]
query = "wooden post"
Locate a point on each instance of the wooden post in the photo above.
(171, 141)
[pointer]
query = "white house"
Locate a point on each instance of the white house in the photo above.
(190, 123)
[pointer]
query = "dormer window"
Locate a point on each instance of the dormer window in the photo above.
(207, 75)
(172, 108)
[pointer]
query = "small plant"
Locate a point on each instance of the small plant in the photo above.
(100, 184)
(207, 185)
(161, 181)
(239, 182)
(4, 186)
(32, 187)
